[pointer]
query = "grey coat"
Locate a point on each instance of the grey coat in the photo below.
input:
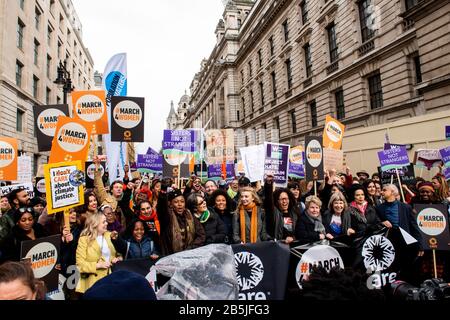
(262, 234)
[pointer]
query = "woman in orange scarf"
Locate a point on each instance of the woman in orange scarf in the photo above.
(249, 223)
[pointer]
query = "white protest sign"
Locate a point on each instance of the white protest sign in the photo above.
(27, 186)
(24, 173)
(253, 158)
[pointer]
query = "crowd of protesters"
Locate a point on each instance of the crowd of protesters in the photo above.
(138, 217)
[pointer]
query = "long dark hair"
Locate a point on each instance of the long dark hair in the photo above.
(128, 233)
(292, 201)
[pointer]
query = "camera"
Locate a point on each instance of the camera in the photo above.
(431, 289)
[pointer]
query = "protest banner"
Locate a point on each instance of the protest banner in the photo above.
(127, 119)
(150, 163)
(296, 162)
(39, 187)
(90, 171)
(45, 120)
(90, 106)
(394, 158)
(314, 158)
(8, 159)
(71, 142)
(177, 144)
(276, 163)
(24, 172)
(333, 159)
(433, 224)
(253, 160)
(406, 174)
(43, 255)
(219, 146)
(388, 146)
(261, 270)
(215, 171)
(445, 156)
(427, 158)
(333, 133)
(26, 186)
(64, 185)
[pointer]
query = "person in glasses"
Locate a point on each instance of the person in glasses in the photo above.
(25, 228)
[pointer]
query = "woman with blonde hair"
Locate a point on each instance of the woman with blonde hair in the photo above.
(310, 227)
(95, 252)
(249, 220)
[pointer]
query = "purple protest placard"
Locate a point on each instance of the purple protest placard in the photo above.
(276, 163)
(447, 173)
(296, 170)
(215, 171)
(445, 154)
(179, 140)
(150, 162)
(388, 146)
(393, 158)
(447, 132)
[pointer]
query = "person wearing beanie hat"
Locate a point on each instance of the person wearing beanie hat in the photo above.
(25, 228)
(121, 285)
(180, 229)
(38, 205)
(426, 194)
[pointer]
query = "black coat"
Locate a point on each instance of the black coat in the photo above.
(362, 228)
(304, 230)
(227, 219)
(279, 222)
(215, 229)
(69, 250)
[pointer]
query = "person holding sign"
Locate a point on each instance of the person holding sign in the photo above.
(95, 252)
(310, 227)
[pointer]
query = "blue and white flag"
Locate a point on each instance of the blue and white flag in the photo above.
(115, 84)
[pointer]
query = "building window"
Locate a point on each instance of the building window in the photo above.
(242, 76)
(250, 71)
(20, 29)
(332, 43)
(260, 57)
(261, 91)
(304, 11)
(417, 69)
(22, 4)
(288, 73)
(308, 63)
(49, 35)
(276, 123)
(59, 49)
(410, 3)
(35, 86)
(272, 47)
(48, 93)
(251, 101)
(243, 106)
(36, 52)
(340, 108)
(52, 7)
(293, 121)
(61, 22)
(37, 18)
(239, 23)
(286, 31)
(313, 110)
(19, 68)
(19, 120)
(375, 91)
(238, 115)
(49, 65)
(274, 84)
(366, 18)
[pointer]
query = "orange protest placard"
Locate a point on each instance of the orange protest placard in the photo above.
(90, 106)
(8, 159)
(71, 141)
(333, 133)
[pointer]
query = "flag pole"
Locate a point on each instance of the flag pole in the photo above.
(400, 185)
(434, 263)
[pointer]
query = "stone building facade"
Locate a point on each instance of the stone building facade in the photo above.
(35, 36)
(279, 67)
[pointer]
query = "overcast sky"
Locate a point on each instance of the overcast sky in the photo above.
(165, 41)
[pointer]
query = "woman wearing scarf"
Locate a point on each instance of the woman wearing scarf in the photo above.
(215, 229)
(363, 220)
(310, 227)
(332, 218)
(249, 223)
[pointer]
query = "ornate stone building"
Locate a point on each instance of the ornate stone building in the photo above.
(176, 119)
(279, 67)
(34, 37)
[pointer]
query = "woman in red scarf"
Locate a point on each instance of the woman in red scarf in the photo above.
(249, 220)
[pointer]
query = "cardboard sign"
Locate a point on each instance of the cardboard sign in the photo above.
(433, 224)
(26, 186)
(24, 172)
(45, 120)
(314, 158)
(43, 255)
(427, 158)
(393, 158)
(333, 159)
(333, 133)
(127, 119)
(90, 106)
(71, 141)
(8, 159)
(219, 146)
(89, 173)
(276, 163)
(64, 186)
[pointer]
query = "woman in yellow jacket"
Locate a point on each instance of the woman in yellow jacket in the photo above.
(95, 252)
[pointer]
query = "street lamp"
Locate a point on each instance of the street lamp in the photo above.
(63, 80)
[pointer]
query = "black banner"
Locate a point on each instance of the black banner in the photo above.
(43, 255)
(45, 119)
(261, 270)
(433, 224)
(407, 176)
(127, 114)
(89, 173)
(314, 158)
